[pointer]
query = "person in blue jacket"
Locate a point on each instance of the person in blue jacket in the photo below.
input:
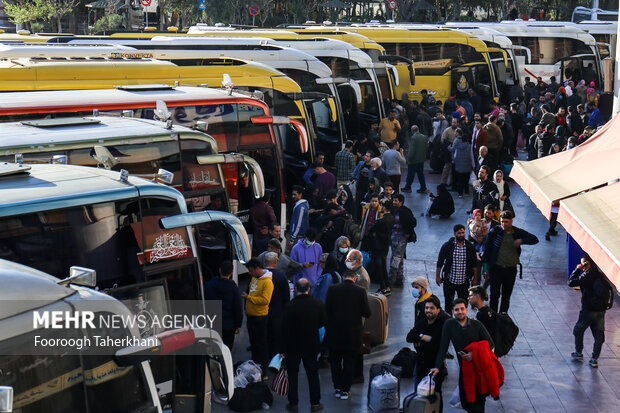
(224, 289)
(299, 217)
(308, 253)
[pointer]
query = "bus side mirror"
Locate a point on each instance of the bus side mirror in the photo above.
(79, 276)
(163, 176)
(6, 399)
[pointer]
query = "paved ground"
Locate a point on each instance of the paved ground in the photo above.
(540, 376)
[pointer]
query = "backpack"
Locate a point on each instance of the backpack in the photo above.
(506, 332)
(604, 293)
(352, 231)
(405, 359)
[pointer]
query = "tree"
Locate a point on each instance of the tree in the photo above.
(57, 9)
(24, 11)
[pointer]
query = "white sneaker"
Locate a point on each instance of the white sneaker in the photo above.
(345, 395)
(337, 394)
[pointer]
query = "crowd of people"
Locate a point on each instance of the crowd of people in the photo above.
(346, 222)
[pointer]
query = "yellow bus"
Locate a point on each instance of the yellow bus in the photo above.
(447, 62)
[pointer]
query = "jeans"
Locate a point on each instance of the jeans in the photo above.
(502, 282)
(399, 246)
(449, 289)
(342, 363)
(596, 321)
(257, 330)
(412, 170)
(311, 366)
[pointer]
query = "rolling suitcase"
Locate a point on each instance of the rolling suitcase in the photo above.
(415, 403)
(377, 324)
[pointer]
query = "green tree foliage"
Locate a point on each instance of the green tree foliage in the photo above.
(108, 23)
(24, 11)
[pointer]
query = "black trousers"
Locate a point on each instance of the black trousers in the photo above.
(257, 330)
(462, 182)
(228, 337)
(478, 405)
(342, 363)
(502, 282)
(274, 332)
(379, 267)
(311, 366)
(449, 289)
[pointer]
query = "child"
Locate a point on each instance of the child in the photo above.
(477, 229)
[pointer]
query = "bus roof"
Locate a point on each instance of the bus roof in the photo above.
(33, 74)
(47, 187)
(12, 103)
(417, 35)
(37, 136)
(248, 49)
(522, 28)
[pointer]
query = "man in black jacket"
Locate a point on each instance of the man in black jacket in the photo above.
(346, 303)
(224, 288)
(403, 232)
(595, 293)
(279, 299)
(483, 188)
(502, 249)
(303, 318)
(457, 265)
(381, 234)
(426, 336)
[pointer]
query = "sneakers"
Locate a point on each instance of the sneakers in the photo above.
(577, 356)
(337, 394)
(547, 237)
(292, 407)
(385, 291)
(316, 407)
(345, 395)
(553, 232)
(593, 363)
(405, 189)
(421, 191)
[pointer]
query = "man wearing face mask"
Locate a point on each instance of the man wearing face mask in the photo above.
(457, 265)
(308, 253)
(419, 292)
(354, 263)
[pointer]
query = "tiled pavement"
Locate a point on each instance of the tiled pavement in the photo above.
(540, 376)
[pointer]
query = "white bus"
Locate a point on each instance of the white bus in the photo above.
(237, 122)
(139, 238)
(555, 50)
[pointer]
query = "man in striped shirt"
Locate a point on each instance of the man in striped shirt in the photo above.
(457, 266)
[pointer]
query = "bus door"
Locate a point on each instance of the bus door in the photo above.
(323, 110)
(582, 66)
(476, 77)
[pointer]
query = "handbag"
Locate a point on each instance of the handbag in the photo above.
(280, 382)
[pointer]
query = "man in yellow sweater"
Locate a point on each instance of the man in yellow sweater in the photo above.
(257, 310)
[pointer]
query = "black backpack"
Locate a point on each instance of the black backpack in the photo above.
(405, 359)
(506, 332)
(352, 231)
(604, 293)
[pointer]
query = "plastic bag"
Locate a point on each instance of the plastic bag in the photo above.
(280, 382)
(472, 178)
(426, 387)
(251, 371)
(455, 399)
(276, 363)
(384, 392)
(240, 381)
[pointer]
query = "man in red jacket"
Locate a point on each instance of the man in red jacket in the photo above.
(462, 331)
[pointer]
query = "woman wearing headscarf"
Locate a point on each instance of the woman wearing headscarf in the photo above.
(502, 196)
(342, 246)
